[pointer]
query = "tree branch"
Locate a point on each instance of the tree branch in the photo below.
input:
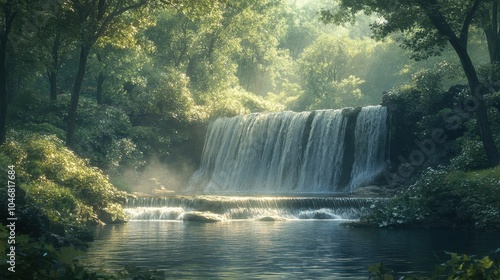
(438, 20)
(118, 11)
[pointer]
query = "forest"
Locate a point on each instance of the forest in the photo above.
(102, 101)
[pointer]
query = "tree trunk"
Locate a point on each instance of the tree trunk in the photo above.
(3, 86)
(476, 89)
(492, 33)
(8, 17)
(75, 95)
(99, 93)
(52, 75)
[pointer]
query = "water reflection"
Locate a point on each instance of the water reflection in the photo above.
(276, 250)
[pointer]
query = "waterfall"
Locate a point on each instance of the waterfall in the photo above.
(371, 145)
(218, 208)
(318, 152)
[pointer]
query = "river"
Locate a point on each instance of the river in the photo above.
(288, 249)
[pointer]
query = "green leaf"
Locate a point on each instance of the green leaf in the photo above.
(485, 263)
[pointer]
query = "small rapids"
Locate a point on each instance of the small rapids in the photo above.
(221, 208)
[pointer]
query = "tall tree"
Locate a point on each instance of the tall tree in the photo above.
(428, 25)
(8, 16)
(222, 44)
(491, 25)
(53, 43)
(96, 19)
(17, 19)
(59, 43)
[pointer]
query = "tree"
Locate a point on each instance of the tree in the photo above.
(96, 19)
(329, 73)
(8, 16)
(428, 25)
(52, 44)
(17, 21)
(223, 44)
(115, 70)
(490, 21)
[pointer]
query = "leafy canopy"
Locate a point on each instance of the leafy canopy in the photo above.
(408, 20)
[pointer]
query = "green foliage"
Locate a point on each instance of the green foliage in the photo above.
(489, 73)
(122, 155)
(379, 272)
(237, 101)
(471, 156)
(408, 18)
(300, 31)
(458, 267)
(59, 204)
(424, 93)
(102, 133)
(65, 191)
(222, 45)
(325, 66)
(165, 98)
(405, 208)
(443, 198)
(103, 136)
(469, 267)
(160, 114)
(421, 106)
(494, 100)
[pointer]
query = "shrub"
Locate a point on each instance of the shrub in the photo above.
(236, 101)
(405, 208)
(444, 198)
(471, 156)
(63, 190)
(458, 267)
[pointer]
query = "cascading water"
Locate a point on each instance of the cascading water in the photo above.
(319, 152)
(218, 208)
(290, 154)
(371, 145)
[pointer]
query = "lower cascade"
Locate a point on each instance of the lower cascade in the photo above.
(219, 208)
(288, 153)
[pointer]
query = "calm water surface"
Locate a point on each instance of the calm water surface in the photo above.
(246, 249)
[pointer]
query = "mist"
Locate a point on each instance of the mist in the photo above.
(159, 178)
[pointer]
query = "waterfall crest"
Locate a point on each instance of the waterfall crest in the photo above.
(317, 152)
(219, 208)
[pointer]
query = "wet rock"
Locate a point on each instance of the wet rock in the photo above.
(201, 216)
(270, 219)
(109, 218)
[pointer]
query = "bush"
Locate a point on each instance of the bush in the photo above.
(64, 191)
(403, 209)
(102, 135)
(471, 156)
(490, 73)
(458, 267)
(443, 198)
(236, 101)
